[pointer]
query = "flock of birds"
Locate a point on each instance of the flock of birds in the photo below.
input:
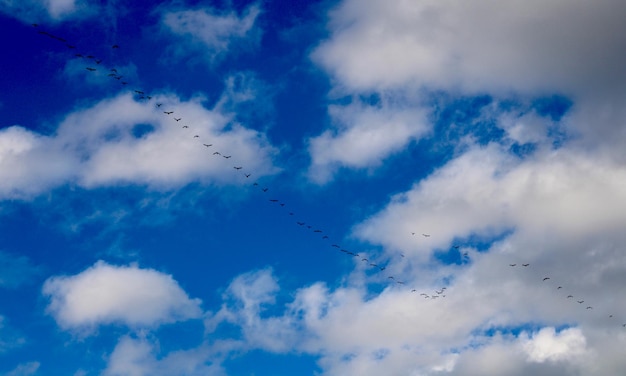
(95, 64)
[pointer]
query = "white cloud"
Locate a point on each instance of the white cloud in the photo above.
(55, 10)
(363, 136)
(547, 345)
(138, 357)
(208, 30)
(124, 141)
(484, 45)
(104, 294)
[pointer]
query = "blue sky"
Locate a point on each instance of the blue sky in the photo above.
(341, 188)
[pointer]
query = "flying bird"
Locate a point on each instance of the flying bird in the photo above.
(139, 92)
(546, 278)
(335, 245)
(426, 235)
(265, 189)
(168, 112)
(196, 136)
(227, 156)
(580, 301)
(325, 237)
(207, 145)
(90, 69)
(185, 126)
(115, 46)
(570, 296)
(273, 200)
(247, 175)
(560, 287)
(589, 307)
(217, 153)
(179, 119)
(525, 264)
(237, 168)
(512, 264)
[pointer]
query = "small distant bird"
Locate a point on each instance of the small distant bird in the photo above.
(124, 83)
(570, 296)
(247, 175)
(413, 290)
(325, 237)
(78, 55)
(90, 56)
(168, 112)
(227, 156)
(335, 245)
(217, 153)
(113, 70)
(317, 231)
(589, 307)
(115, 46)
(196, 136)
(70, 46)
(237, 168)
(512, 264)
(558, 288)
(90, 69)
(610, 316)
(580, 301)
(139, 92)
(98, 61)
(525, 264)
(455, 246)
(264, 189)
(179, 119)
(426, 235)
(185, 126)
(273, 200)
(207, 145)
(546, 278)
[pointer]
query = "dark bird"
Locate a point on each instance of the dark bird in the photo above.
(381, 267)
(227, 156)
(335, 245)
(455, 246)
(111, 75)
(610, 316)
(390, 277)
(217, 153)
(300, 223)
(546, 278)
(70, 46)
(90, 69)
(412, 233)
(185, 126)
(139, 92)
(413, 290)
(400, 282)
(580, 301)
(168, 112)
(570, 296)
(196, 136)
(247, 175)
(255, 183)
(525, 264)
(207, 145)
(179, 119)
(290, 213)
(426, 235)
(98, 61)
(372, 264)
(124, 83)
(113, 70)
(273, 200)
(589, 307)
(78, 55)
(325, 237)
(35, 25)
(512, 264)
(265, 189)
(558, 288)
(115, 46)
(364, 259)
(317, 231)
(237, 168)
(90, 56)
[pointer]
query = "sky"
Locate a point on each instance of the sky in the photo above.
(345, 187)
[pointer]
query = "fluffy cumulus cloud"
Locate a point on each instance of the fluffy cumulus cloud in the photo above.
(210, 31)
(140, 356)
(480, 327)
(128, 141)
(505, 49)
(104, 294)
(363, 135)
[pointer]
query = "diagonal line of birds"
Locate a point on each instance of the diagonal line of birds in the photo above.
(371, 264)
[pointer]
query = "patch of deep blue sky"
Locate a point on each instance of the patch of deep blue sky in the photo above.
(206, 237)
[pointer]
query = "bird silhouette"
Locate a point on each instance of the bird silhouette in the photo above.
(179, 119)
(237, 168)
(168, 112)
(546, 278)
(90, 69)
(525, 264)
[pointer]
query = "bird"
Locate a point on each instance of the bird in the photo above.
(227, 156)
(168, 112)
(335, 245)
(98, 61)
(70, 46)
(390, 277)
(300, 223)
(589, 307)
(546, 278)
(560, 287)
(512, 264)
(570, 296)
(580, 301)
(273, 200)
(196, 136)
(400, 282)
(237, 168)
(325, 237)
(525, 264)
(207, 145)
(610, 315)
(185, 126)
(264, 189)
(455, 246)
(113, 70)
(78, 55)
(90, 69)
(115, 46)
(426, 235)
(217, 153)
(179, 119)
(139, 92)
(247, 175)
(364, 259)
(413, 290)
(317, 231)
(124, 83)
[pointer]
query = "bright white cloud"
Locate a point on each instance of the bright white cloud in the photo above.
(483, 45)
(207, 29)
(124, 141)
(129, 295)
(363, 136)
(547, 345)
(55, 10)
